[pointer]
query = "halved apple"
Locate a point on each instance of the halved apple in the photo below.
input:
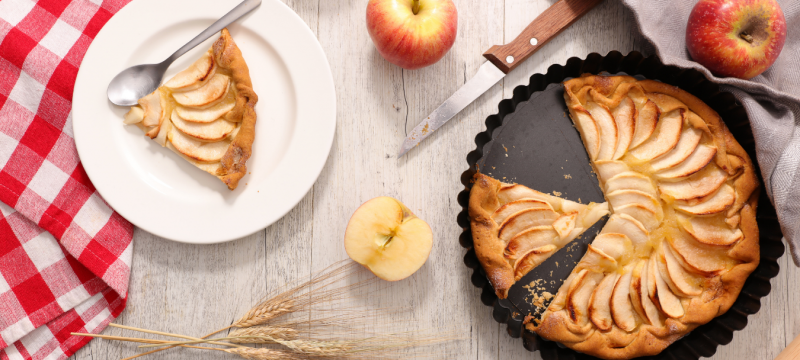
(589, 131)
(532, 259)
(195, 75)
(213, 131)
(631, 180)
(606, 169)
(694, 163)
(608, 130)
(624, 115)
(699, 185)
(630, 227)
(710, 230)
(642, 214)
(621, 198)
(198, 150)
(206, 115)
(622, 310)
(688, 142)
(721, 201)
(646, 122)
(525, 219)
(211, 92)
(506, 210)
(600, 303)
(565, 224)
(388, 239)
(532, 238)
(665, 139)
(677, 277)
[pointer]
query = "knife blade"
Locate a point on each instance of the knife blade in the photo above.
(501, 60)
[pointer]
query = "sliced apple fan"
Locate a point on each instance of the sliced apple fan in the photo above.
(205, 113)
(525, 226)
(680, 241)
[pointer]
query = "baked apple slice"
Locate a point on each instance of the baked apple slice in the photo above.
(664, 140)
(624, 117)
(608, 130)
(646, 123)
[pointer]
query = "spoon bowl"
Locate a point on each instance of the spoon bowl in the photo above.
(135, 82)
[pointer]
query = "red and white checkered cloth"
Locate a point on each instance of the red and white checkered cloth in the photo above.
(65, 256)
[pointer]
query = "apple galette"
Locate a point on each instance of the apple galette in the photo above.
(516, 228)
(205, 113)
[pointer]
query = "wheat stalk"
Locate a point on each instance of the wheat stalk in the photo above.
(263, 354)
(260, 334)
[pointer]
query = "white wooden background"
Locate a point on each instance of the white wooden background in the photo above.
(194, 289)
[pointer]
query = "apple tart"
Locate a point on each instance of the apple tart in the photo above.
(516, 228)
(205, 113)
(682, 236)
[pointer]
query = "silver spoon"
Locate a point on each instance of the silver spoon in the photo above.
(137, 81)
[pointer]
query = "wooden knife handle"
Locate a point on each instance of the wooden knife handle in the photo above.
(546, 26)
(792, 352)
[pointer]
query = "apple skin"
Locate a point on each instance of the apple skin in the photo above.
(714, 36)
(409, 40)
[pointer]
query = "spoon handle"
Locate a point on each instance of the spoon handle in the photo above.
(233, 15)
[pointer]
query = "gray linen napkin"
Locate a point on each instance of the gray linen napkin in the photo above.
(772, 100)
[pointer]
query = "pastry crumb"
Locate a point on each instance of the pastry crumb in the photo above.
(567, 176)
(557, 193)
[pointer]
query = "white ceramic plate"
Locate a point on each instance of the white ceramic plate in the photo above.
(156, 189)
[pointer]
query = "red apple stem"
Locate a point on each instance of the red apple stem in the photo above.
(415, 7)
(747, 37)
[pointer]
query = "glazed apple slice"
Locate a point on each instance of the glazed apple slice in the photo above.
(565, 224)
(630, 180)
(513, 192)
(669, 303)
(532, 238)
(710, 230)
(608, 130)
(624, 115)
(195, 75)
(699, 185)
(651, 312)
(615, 245)
(688, 142)
(134, 116)
(606, 169)
(197, 150)
(646, 122)
(642, 214)
(579, 294)
(664, 140)
(532, 259)
(622, 310)
(502, 213)
(600, 303)
(211, 92)
(163, 132)
(702, 259)
(206, 115)
(589, 131)
(620, 198)
(694, 163)
(525, 219)
(630, 227)
(213, 131)
(681, 281)
(721, 201)
(153, 107)
(636, 290)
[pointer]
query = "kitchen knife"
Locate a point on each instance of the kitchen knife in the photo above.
(502, 59)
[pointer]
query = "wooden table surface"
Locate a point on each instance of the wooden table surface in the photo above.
(193, 289)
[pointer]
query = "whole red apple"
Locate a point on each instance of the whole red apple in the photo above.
(738, 38)
(412, 33)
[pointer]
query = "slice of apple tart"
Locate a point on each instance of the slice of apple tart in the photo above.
(516, 228)
(682, 238)
(205, 113)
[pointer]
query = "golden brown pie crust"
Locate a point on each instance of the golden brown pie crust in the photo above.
(233, 164)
